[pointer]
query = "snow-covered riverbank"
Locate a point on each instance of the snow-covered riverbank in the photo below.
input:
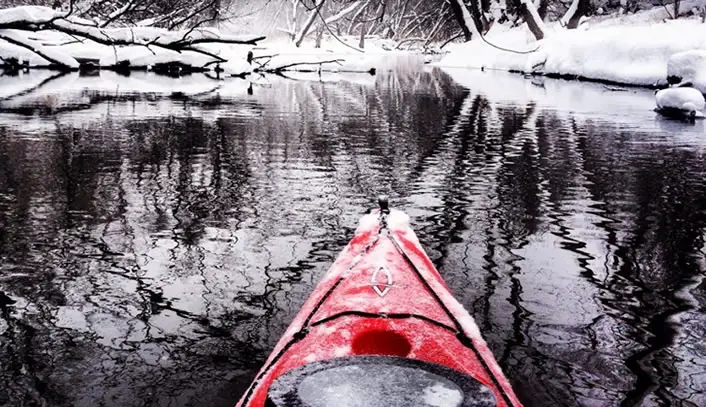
(43, 37)
(631, 50)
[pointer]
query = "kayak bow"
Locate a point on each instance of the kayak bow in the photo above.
(381, 328)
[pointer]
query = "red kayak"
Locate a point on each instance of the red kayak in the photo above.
(381, 329)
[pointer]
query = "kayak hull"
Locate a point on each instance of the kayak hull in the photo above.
(383, 296)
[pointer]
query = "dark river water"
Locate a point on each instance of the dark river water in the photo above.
(158, 235)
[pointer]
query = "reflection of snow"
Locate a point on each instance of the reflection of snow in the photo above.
(627, 105)
(83, 99)
(14, 85)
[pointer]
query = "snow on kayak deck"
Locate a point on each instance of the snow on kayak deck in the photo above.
(439, 395)
(356, 387)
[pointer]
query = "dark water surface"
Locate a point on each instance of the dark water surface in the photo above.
(154, 245)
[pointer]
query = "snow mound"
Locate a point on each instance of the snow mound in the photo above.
(688, 66)
(686, 100)
(679, 97)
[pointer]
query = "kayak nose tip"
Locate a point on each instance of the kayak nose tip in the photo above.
(384, 203)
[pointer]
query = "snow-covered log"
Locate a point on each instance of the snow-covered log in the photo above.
(14, 21)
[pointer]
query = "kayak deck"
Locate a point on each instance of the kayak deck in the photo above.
(383, 296)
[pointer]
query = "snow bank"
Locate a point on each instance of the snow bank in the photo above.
(635, 55)
(689, 66)
(144, 46)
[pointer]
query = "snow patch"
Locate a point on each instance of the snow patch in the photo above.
(398, 220)
(368, 222)
(144, 56)
(236, 66)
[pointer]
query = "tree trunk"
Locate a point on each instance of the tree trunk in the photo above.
(361, 44)
(542, 8)
(309, 22)
(534, 22)
(573, 16)
(319, 36)
(295, 5)
(479, 16)
(470, 22)
(457, 9)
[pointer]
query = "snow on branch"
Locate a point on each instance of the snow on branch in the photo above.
(59, 58)
(346, 11)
